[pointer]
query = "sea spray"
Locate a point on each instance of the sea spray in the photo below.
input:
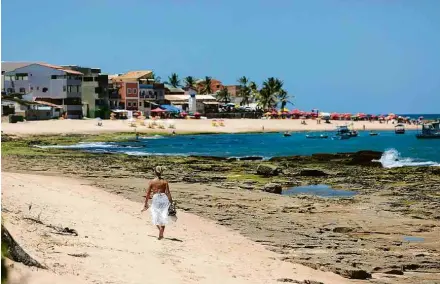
(391, 158)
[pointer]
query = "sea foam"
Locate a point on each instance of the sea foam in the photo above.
(391, 158)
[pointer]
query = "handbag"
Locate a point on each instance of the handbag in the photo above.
(172, 209)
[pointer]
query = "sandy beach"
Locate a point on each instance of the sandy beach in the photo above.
(185, 126)
(117, 244)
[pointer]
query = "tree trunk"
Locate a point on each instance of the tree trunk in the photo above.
(15, 252)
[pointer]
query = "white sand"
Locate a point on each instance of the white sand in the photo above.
(121, 242)
(183, 126)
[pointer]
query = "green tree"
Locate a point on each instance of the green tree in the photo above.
(190, 82)
(155, 78)
(268, 95)
(174, 80)
(206, 89)
(223, 95)
(245, 90)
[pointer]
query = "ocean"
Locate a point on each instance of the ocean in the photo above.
(400, 150)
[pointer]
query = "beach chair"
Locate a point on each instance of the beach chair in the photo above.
(214, 123)
(222, 123)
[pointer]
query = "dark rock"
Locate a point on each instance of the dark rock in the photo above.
(343, 230)
(354, 273)
(273, 188)
(365, 158)
(268, 170)
(312, 173)
(251, 158)
(212, 158)
(393, 271)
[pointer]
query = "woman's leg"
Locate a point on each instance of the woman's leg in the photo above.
(161, 231)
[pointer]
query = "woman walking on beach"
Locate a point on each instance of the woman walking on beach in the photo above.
(161, 200)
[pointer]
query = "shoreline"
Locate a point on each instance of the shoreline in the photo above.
(324, 234)
(185, 127)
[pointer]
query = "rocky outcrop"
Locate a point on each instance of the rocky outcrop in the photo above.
(268, 170)
(273, 188)
(312, 173)
(251, 158)
(365, 158)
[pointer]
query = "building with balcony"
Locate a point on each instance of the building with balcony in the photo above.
(49, 83)
(94, 91)
(127, 86)
(151, 95)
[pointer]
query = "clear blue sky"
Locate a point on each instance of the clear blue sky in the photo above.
(349, 55)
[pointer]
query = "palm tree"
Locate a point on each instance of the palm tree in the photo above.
(190, 82)
(174, 80)
(207, 86)
(155, 78)
(245, 90)
(223, 95)
(268, 95)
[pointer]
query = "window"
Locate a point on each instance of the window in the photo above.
(218, 86)
(38, 88)
(150, 93)
(64, 88)
(22, 90)
(88, 79)
(9, 90)
(32, 88)
(21, 76)
(140, 104)
(134, 104)
(98, 90)
(53, 76)
(134, 91)
(45, 90)
(129, 104)
(128, 91)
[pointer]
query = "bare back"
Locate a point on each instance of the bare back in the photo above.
(158, 186)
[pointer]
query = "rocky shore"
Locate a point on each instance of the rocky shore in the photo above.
(388, 232)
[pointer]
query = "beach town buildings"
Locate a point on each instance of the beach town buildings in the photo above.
(94, 91)
(49, 83)
(203, 103)
(29, 110)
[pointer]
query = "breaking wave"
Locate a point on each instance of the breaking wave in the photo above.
(391, 159)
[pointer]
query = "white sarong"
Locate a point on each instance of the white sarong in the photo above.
(159, 209)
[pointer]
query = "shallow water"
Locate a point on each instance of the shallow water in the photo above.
(412, 239)
(321, 190)
(404, 150)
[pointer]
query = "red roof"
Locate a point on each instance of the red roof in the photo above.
(60, 68)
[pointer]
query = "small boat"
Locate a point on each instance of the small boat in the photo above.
(322, 136)
(430, 131)
(373, 133)
(399, 129)
(342, 137)
(344, 130)
(287, 134)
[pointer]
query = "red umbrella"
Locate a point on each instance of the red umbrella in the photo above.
(295, 111)
(158, 110)
(274, 112)
(334, 115)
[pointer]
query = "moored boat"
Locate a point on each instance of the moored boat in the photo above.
(399, 129)
(430, 131)
(373, 133)
(344, 130)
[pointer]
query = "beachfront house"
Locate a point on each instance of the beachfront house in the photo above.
(216, 85)
(49, 83)
(204, 103)
(151, 95)
(94, 91)
(30, 110)
(128, 86)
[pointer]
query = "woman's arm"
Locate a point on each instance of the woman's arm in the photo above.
(168, 193)
(147, 197)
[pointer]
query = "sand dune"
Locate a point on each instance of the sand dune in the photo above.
(184, 126)
(120, 242)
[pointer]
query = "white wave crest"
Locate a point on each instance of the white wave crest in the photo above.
(391, 159)
(81, 145)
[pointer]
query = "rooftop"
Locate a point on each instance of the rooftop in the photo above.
(135, 75)
(186, 97)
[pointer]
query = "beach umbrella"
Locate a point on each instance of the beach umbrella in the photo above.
(274, 112)
(268, 113)
(158, 110)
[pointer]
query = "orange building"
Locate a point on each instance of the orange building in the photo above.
(216, 85)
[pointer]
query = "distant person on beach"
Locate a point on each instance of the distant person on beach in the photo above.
(161, 200)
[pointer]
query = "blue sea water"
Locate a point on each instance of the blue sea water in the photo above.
(400, 150)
